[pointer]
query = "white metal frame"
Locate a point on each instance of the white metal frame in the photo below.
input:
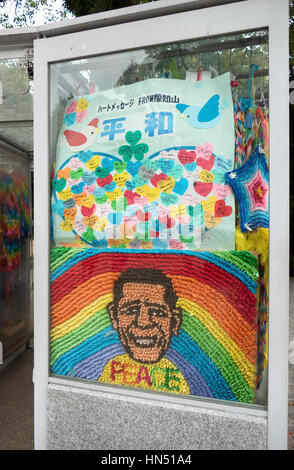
(213, 21)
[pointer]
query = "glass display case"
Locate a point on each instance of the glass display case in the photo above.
(156, 161)
(146, 149)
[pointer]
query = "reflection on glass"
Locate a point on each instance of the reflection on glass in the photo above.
(15, 249)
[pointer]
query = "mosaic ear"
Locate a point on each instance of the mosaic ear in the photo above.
(177, 321)
(112, 313)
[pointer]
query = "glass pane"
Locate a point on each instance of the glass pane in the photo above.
(17, 91)
(21, 136)
(16, 322)
(159, 257)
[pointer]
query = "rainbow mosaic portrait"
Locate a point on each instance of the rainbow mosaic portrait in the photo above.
(175, 321)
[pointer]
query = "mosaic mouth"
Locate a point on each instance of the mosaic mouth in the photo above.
(144, 341)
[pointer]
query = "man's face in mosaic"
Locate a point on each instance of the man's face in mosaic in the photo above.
(145, 320)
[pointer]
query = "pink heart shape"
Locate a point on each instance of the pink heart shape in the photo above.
(130, 221)
(81, 115)
(175, 244)
(71, 108)
(89, 189)
(74, 163)
(186, 157)
(141, 201)
(204, 151)
(221, 190)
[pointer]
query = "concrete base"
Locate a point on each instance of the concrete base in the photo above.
(83, 419)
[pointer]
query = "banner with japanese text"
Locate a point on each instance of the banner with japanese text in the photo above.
(143, 165)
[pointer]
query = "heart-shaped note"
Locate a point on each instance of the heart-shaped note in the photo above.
(175, 244)
(81, 115)
(130, 185)
(75, 175)
(93, 163)
(59, 185)
(121, 179)
(90, 221)
(133, 167)
(143, 216)
(150, 193)
(70, 119)
(85, 155)
(206, 177)
(102, 182)
(210, 220)
(140, 150)
(165, 165)
(166, 186)
(145, 173)
(66, 194)
(133, 138)
(67, 225)
(221, 190)
(119, 204)
(206, 164)
(70, 213)
(222, 164)
(176, 172)
(168, 199)
(203, 188)
(113, 195)
(107, 163)
(58, 208)
(64, 173)
(71, 108)
(209, 204)
(156, 178)
(69, 203)
(110, 187)
(79, 198)
(190, 166)
(88, 235)
(221, 210)
(126, 151)
(120, 166)
(186, 157)
(102, 172)
(88, 178)
(89, 201)
(88, 211)
(78, 188)
(181, 186)
(130, 196)
(101, 199)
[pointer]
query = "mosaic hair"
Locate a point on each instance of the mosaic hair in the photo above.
(145, 276)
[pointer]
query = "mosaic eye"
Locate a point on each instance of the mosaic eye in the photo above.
(157, 312)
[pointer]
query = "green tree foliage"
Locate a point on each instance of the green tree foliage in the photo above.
(14, 13)
(86, 7)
